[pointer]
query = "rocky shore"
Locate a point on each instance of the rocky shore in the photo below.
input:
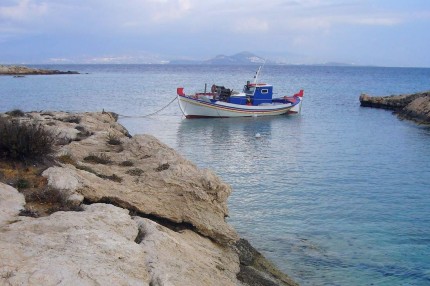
(414, 107)
(22, 70)
(132, 212)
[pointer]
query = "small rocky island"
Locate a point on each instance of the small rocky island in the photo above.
(414, 107)
(82, 202)
(22, 70)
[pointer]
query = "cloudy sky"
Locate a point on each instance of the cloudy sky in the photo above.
(364, 32)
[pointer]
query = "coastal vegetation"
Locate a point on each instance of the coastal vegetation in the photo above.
(20, 71)
(24, 139)
(84, 195)
(26, 149)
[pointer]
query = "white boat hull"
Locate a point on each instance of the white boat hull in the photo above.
(196, 108)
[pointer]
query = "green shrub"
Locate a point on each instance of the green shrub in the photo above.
(22, 184)
(21, 141)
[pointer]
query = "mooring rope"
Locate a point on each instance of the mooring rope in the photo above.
(143, 116)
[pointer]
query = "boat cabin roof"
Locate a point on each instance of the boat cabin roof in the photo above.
(259, 84)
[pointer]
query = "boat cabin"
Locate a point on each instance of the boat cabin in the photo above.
(259, 93)
(253, 94)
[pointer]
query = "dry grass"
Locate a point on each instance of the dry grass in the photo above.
(66, 159)
(41, 200)
(98, 159)
(135, 172)
(126, 163)
(113, 139)
(162, 167)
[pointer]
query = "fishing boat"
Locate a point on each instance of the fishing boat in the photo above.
(256, 99)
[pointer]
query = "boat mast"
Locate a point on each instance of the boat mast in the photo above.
(256, 75)
(258, 72)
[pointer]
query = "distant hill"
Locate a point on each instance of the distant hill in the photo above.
(243, 58)
(247, 58)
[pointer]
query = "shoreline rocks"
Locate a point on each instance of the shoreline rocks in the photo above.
(415, 107)
(22, 70)
(147, 216)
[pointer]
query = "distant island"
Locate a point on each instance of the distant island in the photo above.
(243, 58)
(22, 70)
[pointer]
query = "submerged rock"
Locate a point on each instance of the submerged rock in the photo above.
(414, 107)
(256, 270)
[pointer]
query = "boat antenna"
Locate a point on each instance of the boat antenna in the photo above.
(258, 71)
(256, 75)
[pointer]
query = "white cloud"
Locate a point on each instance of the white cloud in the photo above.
(22, 10)
(251, 25)
(159, 11)
(376, 21)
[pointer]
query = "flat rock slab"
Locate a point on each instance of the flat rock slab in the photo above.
(157, 181)
(93, 247)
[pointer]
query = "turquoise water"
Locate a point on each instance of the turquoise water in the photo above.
(339, 195)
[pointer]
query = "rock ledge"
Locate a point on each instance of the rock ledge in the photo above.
(21, 70)
(414, 107)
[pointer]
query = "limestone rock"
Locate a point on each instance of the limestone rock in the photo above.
(11, 202)
(93, 247)
(184, 239)
(160, 182)
(418, 110)
(186, 258)
(414, 107)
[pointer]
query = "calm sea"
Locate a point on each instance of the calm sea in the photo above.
(339, 195)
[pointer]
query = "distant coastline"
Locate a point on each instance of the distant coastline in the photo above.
(23, 70)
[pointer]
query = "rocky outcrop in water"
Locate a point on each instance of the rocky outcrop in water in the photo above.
(414, 107)
(22, 70)
(142, 215)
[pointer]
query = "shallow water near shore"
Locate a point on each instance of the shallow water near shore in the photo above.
(339, 195)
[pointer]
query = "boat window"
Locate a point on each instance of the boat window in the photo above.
(264, 91)
(250, 90)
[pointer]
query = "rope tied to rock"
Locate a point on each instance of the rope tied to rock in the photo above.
(143, 116)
